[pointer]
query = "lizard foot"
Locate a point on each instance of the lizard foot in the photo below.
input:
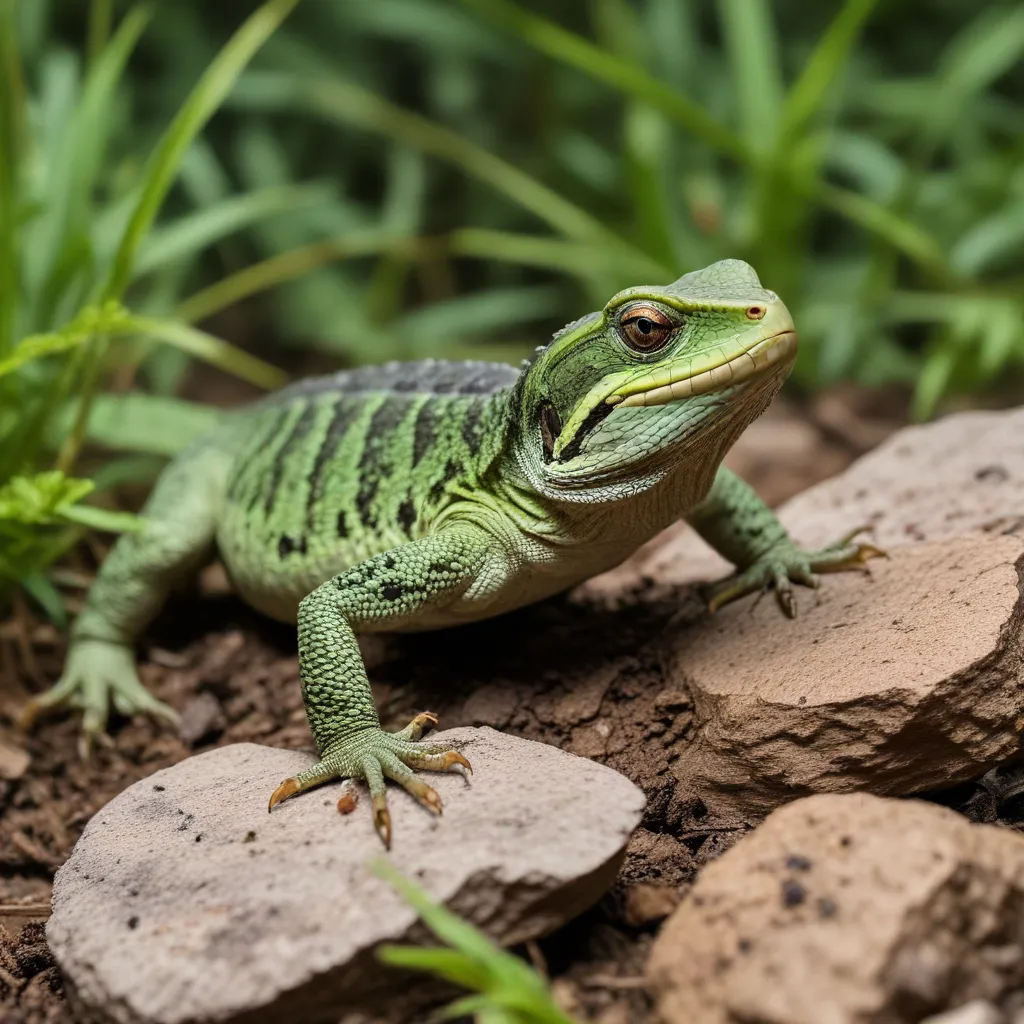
(785, 564)
(374, 755)
(97, 674)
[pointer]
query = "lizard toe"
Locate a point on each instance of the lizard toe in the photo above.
(373, 755)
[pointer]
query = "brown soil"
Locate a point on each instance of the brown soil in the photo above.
(586, 678)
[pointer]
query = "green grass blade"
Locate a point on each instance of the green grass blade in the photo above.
(279, 269)
(47, 596)
(134, 421)
(621, 266)
(477, 313)
(209, 349)
(204, 99)
(985, 50)
(556, 254)
(752, 46)
(807, 94)
(603, 66)
(101, 519)
(347, 103)
(101, 17)
(189, 235)
(990, 242)
(577, 52)
(449, 964)
(900, 233)
(89, 322)
(933, 381)
(11, 118)
(135, 470)
(75, 169)
(459, 934)
(504, 982)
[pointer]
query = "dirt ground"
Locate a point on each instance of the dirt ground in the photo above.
(234, 677)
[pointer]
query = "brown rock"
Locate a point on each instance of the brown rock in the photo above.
(847, 909)
(895, 683)
(647, 904)
(14, 759)
(202, 720)
(977, 1011)
(962, 474)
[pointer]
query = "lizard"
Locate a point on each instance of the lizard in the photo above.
(421, 495)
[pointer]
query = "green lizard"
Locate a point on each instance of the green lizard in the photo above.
(421, 495)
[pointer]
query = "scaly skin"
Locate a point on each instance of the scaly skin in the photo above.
(421, 495)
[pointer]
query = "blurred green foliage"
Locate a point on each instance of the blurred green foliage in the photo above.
(481, 170)
(73, 241)
(402, 178)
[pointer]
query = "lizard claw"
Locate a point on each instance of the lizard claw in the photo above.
(376, 755)
(785, 564)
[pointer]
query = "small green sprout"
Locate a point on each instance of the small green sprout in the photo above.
(507, 991)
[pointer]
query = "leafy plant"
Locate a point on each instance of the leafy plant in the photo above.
(508, 991)
(75, 237)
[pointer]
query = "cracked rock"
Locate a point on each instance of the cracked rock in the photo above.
(896, 683)
(849, 909)
(185, 901)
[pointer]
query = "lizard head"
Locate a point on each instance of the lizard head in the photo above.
(624, 393)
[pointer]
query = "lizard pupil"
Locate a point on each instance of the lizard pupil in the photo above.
(645, 328)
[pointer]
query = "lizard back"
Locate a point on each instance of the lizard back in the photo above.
(334, 469)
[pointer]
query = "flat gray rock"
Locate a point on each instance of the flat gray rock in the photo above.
(185, 901)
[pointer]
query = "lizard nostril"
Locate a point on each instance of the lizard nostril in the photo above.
(756, 312)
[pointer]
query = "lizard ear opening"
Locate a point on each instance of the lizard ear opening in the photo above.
(550, 428)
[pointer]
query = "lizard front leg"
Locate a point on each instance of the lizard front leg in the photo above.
(741, 527)
(387, 591)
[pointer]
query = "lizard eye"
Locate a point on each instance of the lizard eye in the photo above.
(644, 328)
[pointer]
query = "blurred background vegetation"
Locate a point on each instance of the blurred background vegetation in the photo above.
(346, 181)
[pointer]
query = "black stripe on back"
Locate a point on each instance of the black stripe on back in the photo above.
(425, 431)
(373, 465)
(250, 476)
(345, 412)
(472, 425)
(302, 427)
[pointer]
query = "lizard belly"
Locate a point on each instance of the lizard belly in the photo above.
(274, 579)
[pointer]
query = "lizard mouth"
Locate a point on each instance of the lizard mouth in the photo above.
(748, 364)
(671, 384)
